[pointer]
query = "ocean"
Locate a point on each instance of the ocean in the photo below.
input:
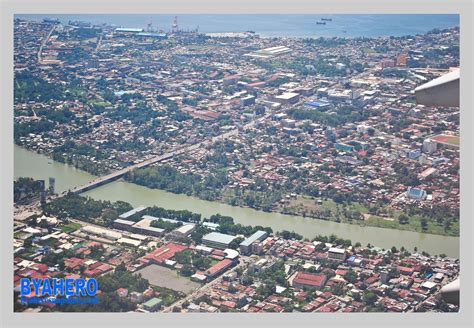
(276, 25)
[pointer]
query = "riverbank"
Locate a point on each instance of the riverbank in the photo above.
(286, 202)
(304, 206)
(38, 166)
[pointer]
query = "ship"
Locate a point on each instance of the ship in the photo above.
(320, 23)
(327, 19)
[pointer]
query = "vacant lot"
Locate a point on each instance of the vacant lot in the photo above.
(164, 277)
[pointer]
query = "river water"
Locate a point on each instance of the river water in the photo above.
(31, 164)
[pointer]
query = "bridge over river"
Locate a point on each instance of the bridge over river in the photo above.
(120, 173)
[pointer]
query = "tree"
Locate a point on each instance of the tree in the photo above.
(350, 276)
(187, 271)
(369, 297)
(424, 224)
(403, 219)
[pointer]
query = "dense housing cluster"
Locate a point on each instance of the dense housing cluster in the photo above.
(325, 128)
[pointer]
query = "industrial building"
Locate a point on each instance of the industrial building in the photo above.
(184, 230)
(217, 240)
(130, 213)
(141, 227)
(128, 30)
(123, 224)
(269, 52)
(105, 233)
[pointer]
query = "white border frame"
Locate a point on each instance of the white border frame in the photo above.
(462, 7)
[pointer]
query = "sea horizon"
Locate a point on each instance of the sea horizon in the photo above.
(274, 25)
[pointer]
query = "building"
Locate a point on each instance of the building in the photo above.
(153, 304)
(128, 30)
(269, 52)
(231, 79)
(249, 245)
(287, 98)
(219, 268)
(143, 227)
(247, 101)
(129, 242)
(416, 193)
(260, 266)
(217, 240)
(130, 213)
(344, 147)
(387, 63)
(336, 254)
(429, 146)
(210, 225)
(402, 59)
(101, 232)
(414, 154)
(149, 231)
(163, 253)
(123, 224)
(309, 280)
(184, 230)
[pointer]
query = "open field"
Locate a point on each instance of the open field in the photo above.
(70, 227)
(164, 277)
(447, 139)
(308, 206)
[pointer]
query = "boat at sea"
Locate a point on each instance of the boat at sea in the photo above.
(320, 23)
(327, 19)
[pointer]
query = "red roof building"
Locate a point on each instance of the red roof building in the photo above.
(218, 268)
(311, 280)
(163, 253)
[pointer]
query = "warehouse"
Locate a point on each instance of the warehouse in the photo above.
(101, 232)
(130, 213)
(217, 240)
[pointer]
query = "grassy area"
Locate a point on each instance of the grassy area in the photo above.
(307, 206)
(168, 296)
(447, 139)
(414, 224)
(214, 261)
(19, 234)
(70, 227)
(369, 51)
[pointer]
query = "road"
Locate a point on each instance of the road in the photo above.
(187, 149)
(43, 43)
(205, 288)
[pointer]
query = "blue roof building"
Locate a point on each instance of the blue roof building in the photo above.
(416, 193)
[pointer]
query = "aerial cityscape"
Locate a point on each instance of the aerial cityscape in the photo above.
(198, 170)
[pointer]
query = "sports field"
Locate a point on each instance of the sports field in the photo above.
(447, 139)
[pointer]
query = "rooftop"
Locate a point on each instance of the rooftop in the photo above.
(218, 238)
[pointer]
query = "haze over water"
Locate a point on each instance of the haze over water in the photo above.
(272, 25)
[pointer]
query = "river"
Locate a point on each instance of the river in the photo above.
(31, 164)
